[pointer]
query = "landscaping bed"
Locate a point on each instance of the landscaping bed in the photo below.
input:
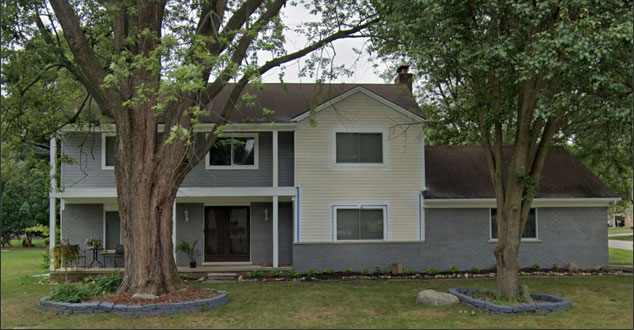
(485, 300)
(190, 293)
(275, 276)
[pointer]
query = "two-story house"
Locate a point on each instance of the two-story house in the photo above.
(338, 176)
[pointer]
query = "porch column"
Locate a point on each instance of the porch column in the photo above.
(275, 232)
(52, 224)
(174, 229)
(275, 160)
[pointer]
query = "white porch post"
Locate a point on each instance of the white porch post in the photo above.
(275, 232)
(174, 229)
(275, 201)
(52, 202)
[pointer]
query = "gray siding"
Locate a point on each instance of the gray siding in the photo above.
(86, 172)
(286, 159)
(85, 148)
(460, 237)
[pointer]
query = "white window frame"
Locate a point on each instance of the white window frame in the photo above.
(103, 151)
(528, 239)
(256, 150)
(359, 207)
(110, 208)
(361, 131)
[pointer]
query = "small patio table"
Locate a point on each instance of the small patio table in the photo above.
(95, 258)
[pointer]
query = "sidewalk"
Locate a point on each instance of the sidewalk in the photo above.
(626, 245)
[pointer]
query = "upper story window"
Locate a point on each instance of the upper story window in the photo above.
(234, 152)
(107, 150)
(356, 223)
(360, 148)
(530, 231)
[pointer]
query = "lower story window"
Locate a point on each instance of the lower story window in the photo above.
(530, 230)
(360, 223)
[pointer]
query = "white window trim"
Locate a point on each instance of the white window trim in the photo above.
(103, 151)
(110, 208)
(361, 131)
(256, 150)
(373, 206)
(530, 239)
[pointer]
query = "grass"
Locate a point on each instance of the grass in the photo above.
(622, 238)
(598, 302)
(619, 230)
(620, 257)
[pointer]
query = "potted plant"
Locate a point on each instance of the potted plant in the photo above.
(190, 251)
(93, 243)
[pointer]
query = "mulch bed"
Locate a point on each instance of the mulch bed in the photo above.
(190, 293)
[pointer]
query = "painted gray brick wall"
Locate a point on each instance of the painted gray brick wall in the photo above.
(82, 221)
(85, 148)
(190, 230)
(460, 237)
(262, 233)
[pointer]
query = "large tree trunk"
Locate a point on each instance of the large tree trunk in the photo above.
(507, 251)
(146, 189)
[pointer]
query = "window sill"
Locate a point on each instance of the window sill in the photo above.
(357, 242)
(522, 241)
(222, 168)
(107, 168)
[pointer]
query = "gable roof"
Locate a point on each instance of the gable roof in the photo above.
(462, 172)
(291, 100)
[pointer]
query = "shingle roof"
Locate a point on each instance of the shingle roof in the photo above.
(290, 100)
(462, 172)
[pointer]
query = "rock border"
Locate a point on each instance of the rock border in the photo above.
(553, 304)
(134, 310)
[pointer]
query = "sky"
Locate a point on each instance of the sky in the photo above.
(361, 64)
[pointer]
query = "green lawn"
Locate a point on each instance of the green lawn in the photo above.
(622, 238)
(620, 257)
(619, 230)
(598, 302)
(17, 243)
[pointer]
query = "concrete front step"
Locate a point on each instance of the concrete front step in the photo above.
(221, 277)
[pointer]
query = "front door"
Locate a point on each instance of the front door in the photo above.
(227, 233)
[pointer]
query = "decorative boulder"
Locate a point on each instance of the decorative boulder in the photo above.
(143, 296)
(572, 267)
(435, 298)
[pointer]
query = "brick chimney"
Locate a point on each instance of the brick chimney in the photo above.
(403, 77)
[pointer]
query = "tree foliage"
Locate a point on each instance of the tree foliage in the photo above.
(524, 73)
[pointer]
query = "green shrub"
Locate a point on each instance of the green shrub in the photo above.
(293, 273)
(367, 272)
(108, 283)
(475, 270)
(276, 273)
(536, 266)
(329, 271)
(407, 271)
(72, 293)
(347, 271)
(387, 272)
(555, 267)
(311, 273)
(255, 274)
(432, 271)
(454, 269)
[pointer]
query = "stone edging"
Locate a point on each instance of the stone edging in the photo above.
(132, 310)
(553, 304)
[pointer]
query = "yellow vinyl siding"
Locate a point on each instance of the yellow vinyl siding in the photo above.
(323, 183)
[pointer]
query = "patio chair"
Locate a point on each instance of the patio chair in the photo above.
(118, 254)
(79, 256)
